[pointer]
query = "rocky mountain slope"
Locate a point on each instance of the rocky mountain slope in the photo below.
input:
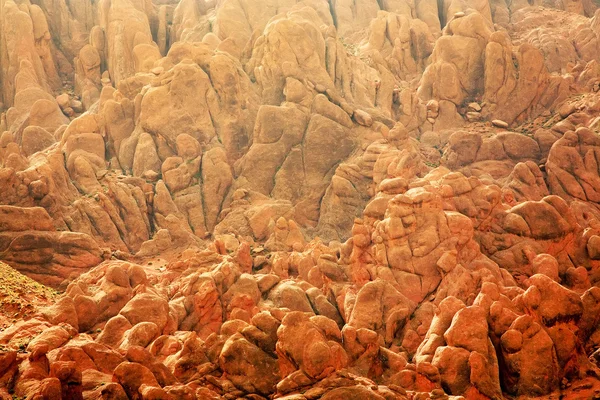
(315, 199)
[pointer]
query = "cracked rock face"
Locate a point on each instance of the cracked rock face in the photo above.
(301, 200)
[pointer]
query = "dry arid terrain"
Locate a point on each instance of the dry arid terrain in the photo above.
(299, 199)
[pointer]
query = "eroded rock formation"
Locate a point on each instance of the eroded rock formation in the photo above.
(316, 199)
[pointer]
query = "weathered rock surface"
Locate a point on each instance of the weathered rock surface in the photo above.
(316, 199)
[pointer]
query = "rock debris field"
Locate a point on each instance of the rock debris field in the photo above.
(299, 199)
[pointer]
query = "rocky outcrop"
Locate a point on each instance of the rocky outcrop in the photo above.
(300, 199)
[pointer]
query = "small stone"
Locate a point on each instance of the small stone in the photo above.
(320, 88)
(63, 100)
(459, 14)
(397, 389)
(150, 175)
(77, 106)
(347, 108)
(448, 261)
(362, 118)
(433, 106)
(38, 189)
(475, 106)
(499, 123)
(473, 116)
(566, 109)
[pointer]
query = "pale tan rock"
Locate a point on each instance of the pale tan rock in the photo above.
(35, 139)
(161, 101)
(499, 123)
(146, 157)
